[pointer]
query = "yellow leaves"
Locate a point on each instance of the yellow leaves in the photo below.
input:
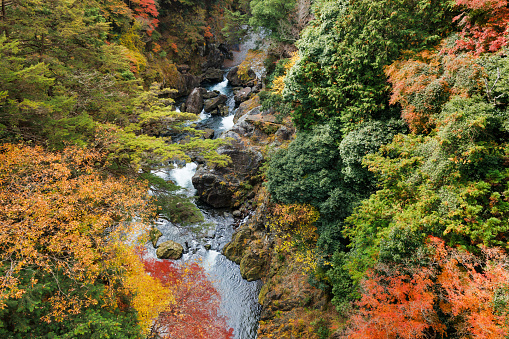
(150, 297)
(278, 85)
(56, 210)
(294, 226)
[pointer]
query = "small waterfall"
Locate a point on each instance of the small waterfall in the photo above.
(239, 298)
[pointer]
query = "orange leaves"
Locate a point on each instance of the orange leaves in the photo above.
(56, 211)
(395, 305)
(471, 285)
(207, 33)
(424, 83)
(403, 302)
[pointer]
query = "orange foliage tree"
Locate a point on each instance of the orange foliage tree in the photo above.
(61, 215)
(193, 313)
(456, 292)
(424, 83)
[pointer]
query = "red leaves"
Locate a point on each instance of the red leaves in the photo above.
(485, 27)
(403, 302)
(146, 12)
(194, 314)
(207, 34)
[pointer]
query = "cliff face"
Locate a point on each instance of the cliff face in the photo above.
(291, 306)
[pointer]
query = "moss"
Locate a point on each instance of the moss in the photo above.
(178, 209)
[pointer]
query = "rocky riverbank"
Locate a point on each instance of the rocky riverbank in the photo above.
(291, 306)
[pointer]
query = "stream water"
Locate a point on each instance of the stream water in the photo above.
(239, 298)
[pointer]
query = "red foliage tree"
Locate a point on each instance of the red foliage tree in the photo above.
(194, 312)
(476, 290)
(485, 26)
(146, 11)
(396, 305)
(470, 291)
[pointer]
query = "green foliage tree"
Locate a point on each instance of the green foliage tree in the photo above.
(343, 53)
(272, 15)
(316, 170)
(449, 184)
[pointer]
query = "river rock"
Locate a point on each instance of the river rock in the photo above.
(217, 185)
(242, 95)
(194, 102)
(212, 104)
(212, 75)
(211, 94)
(236, 79)
(223, 110)
(243, 128)
(184, 83)
(252, 265)
(154, 234)
(246, 107)
(257, 87)
(209, 133)
(235, 249)
(170, 250)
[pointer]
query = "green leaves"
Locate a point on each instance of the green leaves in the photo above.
(343, 53)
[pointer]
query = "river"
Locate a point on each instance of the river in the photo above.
(239, 298)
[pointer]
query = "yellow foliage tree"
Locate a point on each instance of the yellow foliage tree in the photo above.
(294, 225)
(278, 85)
(65, 217)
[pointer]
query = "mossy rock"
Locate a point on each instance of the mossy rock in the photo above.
(170, 250)
(252, 266)
(234, 250)
(154, 234)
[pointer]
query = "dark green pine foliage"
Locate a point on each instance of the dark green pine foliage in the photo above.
(343, 53)
(315, 169)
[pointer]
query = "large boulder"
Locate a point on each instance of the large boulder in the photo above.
(223, 110)
(242, 95)
(212, 75)
(194, 102)
(237, 79)
(215, 57)
(211, 94)
(246, 107)
(154, 234)
(170, 250)
(217, 185)
(184, 83)
(212, 104)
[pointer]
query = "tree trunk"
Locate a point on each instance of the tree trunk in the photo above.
(4, 25)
